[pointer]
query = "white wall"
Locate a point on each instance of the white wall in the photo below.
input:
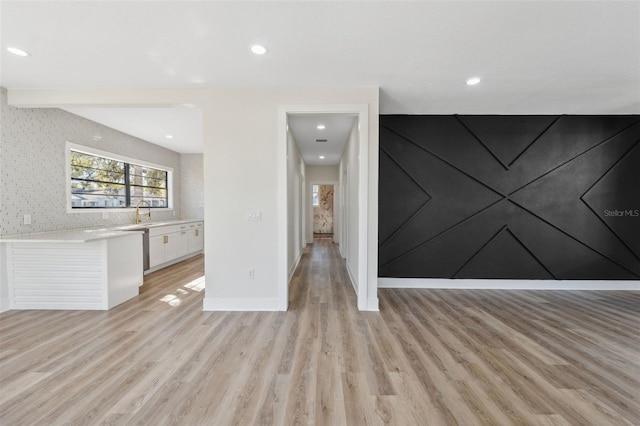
(322, 173)
(242, 147)
(191, 186)
(244, 169)
(296, 171)
(350, 215)
(33, 164)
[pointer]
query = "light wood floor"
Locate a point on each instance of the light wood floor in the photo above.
(428, 358)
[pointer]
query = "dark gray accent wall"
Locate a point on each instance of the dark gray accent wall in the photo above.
(513, 197)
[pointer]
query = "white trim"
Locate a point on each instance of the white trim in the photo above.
(94, 151)
(241, 304)
(113, 156)
(283, 213)
(363, 210)
(295, 265)
(173, 261)
(366, 301)
(5, 299)
(341, 250)
(444, 283)
(354, 283)
(373, 304)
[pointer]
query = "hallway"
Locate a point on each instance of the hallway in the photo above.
(430, 357)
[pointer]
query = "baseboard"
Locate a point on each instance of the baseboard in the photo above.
(173, 262)
(354, 282)
(293, 268)
(240, 304)
(507, 284)
(372, 305)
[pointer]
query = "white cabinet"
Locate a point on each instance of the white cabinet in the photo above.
(180, 240)
(167, 243)
(196, 237)
(156, 250)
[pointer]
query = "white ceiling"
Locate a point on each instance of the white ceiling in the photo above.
(572, 57)
(153, 124)
(305, 131)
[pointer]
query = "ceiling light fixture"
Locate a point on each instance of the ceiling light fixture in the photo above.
(17, 51)
(258, 49)
(168, 136)
(473, 81)
(321, 127)
(321, 157)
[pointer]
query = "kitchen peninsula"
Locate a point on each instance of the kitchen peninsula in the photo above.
(94, 269)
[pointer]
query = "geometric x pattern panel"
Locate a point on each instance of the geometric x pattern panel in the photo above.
(512, 197)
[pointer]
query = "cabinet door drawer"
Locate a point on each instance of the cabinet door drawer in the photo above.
(156, 250)
(196, 240)
(163, 230)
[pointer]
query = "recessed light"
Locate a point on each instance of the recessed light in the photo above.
(258, 49)
(321, 157)
(168, 136)
(473, 81)
(17, 51)
(321, 127)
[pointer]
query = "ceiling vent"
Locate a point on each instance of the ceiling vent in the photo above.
(321, 140)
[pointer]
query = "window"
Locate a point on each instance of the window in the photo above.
(99, 181)
(314, 191)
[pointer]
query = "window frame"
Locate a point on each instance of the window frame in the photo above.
(70, 146)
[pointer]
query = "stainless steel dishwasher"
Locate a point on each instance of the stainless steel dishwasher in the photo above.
(145, 249)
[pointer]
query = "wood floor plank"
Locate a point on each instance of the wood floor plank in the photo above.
(430, 357)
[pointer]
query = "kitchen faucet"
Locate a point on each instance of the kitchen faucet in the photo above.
(138, 210)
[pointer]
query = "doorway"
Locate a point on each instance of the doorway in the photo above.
(354, 219)
(322, 201)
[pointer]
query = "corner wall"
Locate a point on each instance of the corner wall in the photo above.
(295, 204)
(192, 186)
(242, 141)
(349, 188)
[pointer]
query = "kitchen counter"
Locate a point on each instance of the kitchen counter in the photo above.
(70, 236)
(163, 223)
(90, 269)
(90, 234)
(72, 270)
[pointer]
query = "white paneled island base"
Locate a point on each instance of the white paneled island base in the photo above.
(74, 270)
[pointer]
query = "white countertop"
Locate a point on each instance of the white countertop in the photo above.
(70, 236)
(157, 224)
(85, 235)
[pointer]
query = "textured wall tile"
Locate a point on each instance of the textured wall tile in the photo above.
(192, 191)
(32, 168)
